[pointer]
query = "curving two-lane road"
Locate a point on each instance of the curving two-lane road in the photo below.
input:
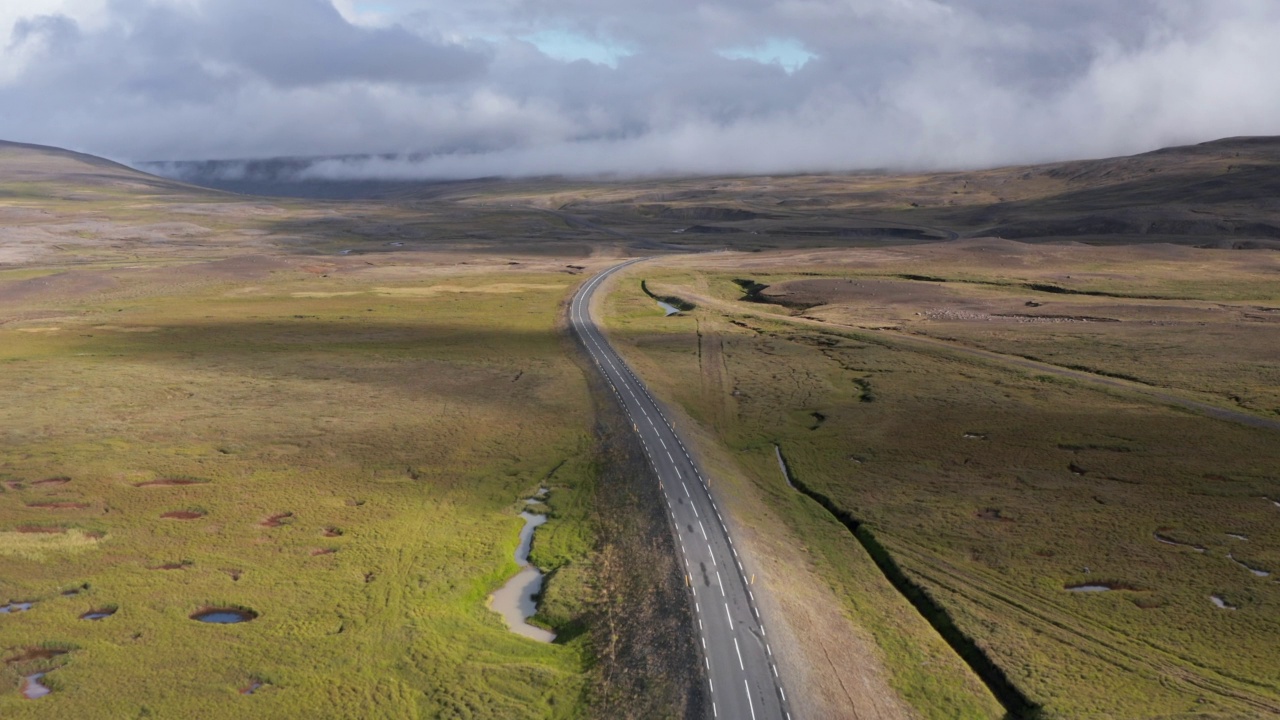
(741, 670)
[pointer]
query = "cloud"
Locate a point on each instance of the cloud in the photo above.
(529, 87)
(298, 43)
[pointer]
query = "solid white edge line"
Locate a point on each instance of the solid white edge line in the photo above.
(589, 334)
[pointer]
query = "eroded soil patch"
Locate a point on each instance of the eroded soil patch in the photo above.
(30, 654)
(58, 505)
(171, 482)
(277, 520)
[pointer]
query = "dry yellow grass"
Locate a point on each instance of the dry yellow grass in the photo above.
(995, 487)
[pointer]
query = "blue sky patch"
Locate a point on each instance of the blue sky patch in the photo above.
(569, 47)
(791, 55)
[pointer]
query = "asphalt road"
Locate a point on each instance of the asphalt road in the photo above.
(742, 675)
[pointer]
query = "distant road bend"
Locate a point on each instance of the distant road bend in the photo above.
(741, 670)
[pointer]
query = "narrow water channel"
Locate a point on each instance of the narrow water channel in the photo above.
(514, 601)
(33, 689)
(782, 465)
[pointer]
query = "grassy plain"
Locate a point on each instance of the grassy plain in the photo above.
(328, 414)
(391, 429)
(995, 487)
(387, 371)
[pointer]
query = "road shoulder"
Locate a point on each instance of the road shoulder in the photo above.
(832, 667)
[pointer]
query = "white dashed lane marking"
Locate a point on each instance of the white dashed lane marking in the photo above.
(616, 372)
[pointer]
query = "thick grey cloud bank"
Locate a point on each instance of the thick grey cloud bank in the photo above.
(491, 87)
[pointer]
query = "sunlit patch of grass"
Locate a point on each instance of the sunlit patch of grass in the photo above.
(401, 431)
(35, 544)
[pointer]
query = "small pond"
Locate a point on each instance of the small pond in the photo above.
(1219, 602)
(100, 614)
(224, 616)
(1166, 540)
(1089, 588)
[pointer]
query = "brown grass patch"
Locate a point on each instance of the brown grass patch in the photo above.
(52, 481)
(323, 551)
(171, 482)
(30, 654)
(993, 514)
(332, 532)
(276, 520)
(58, 505)
(184, 514)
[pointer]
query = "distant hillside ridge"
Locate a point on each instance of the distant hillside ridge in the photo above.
(43, 171)
(1223, 193)
(85, 158)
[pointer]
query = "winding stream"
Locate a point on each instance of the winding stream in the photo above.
(1256, 571)
(782, 465)
(514, 601)
(32, 688)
